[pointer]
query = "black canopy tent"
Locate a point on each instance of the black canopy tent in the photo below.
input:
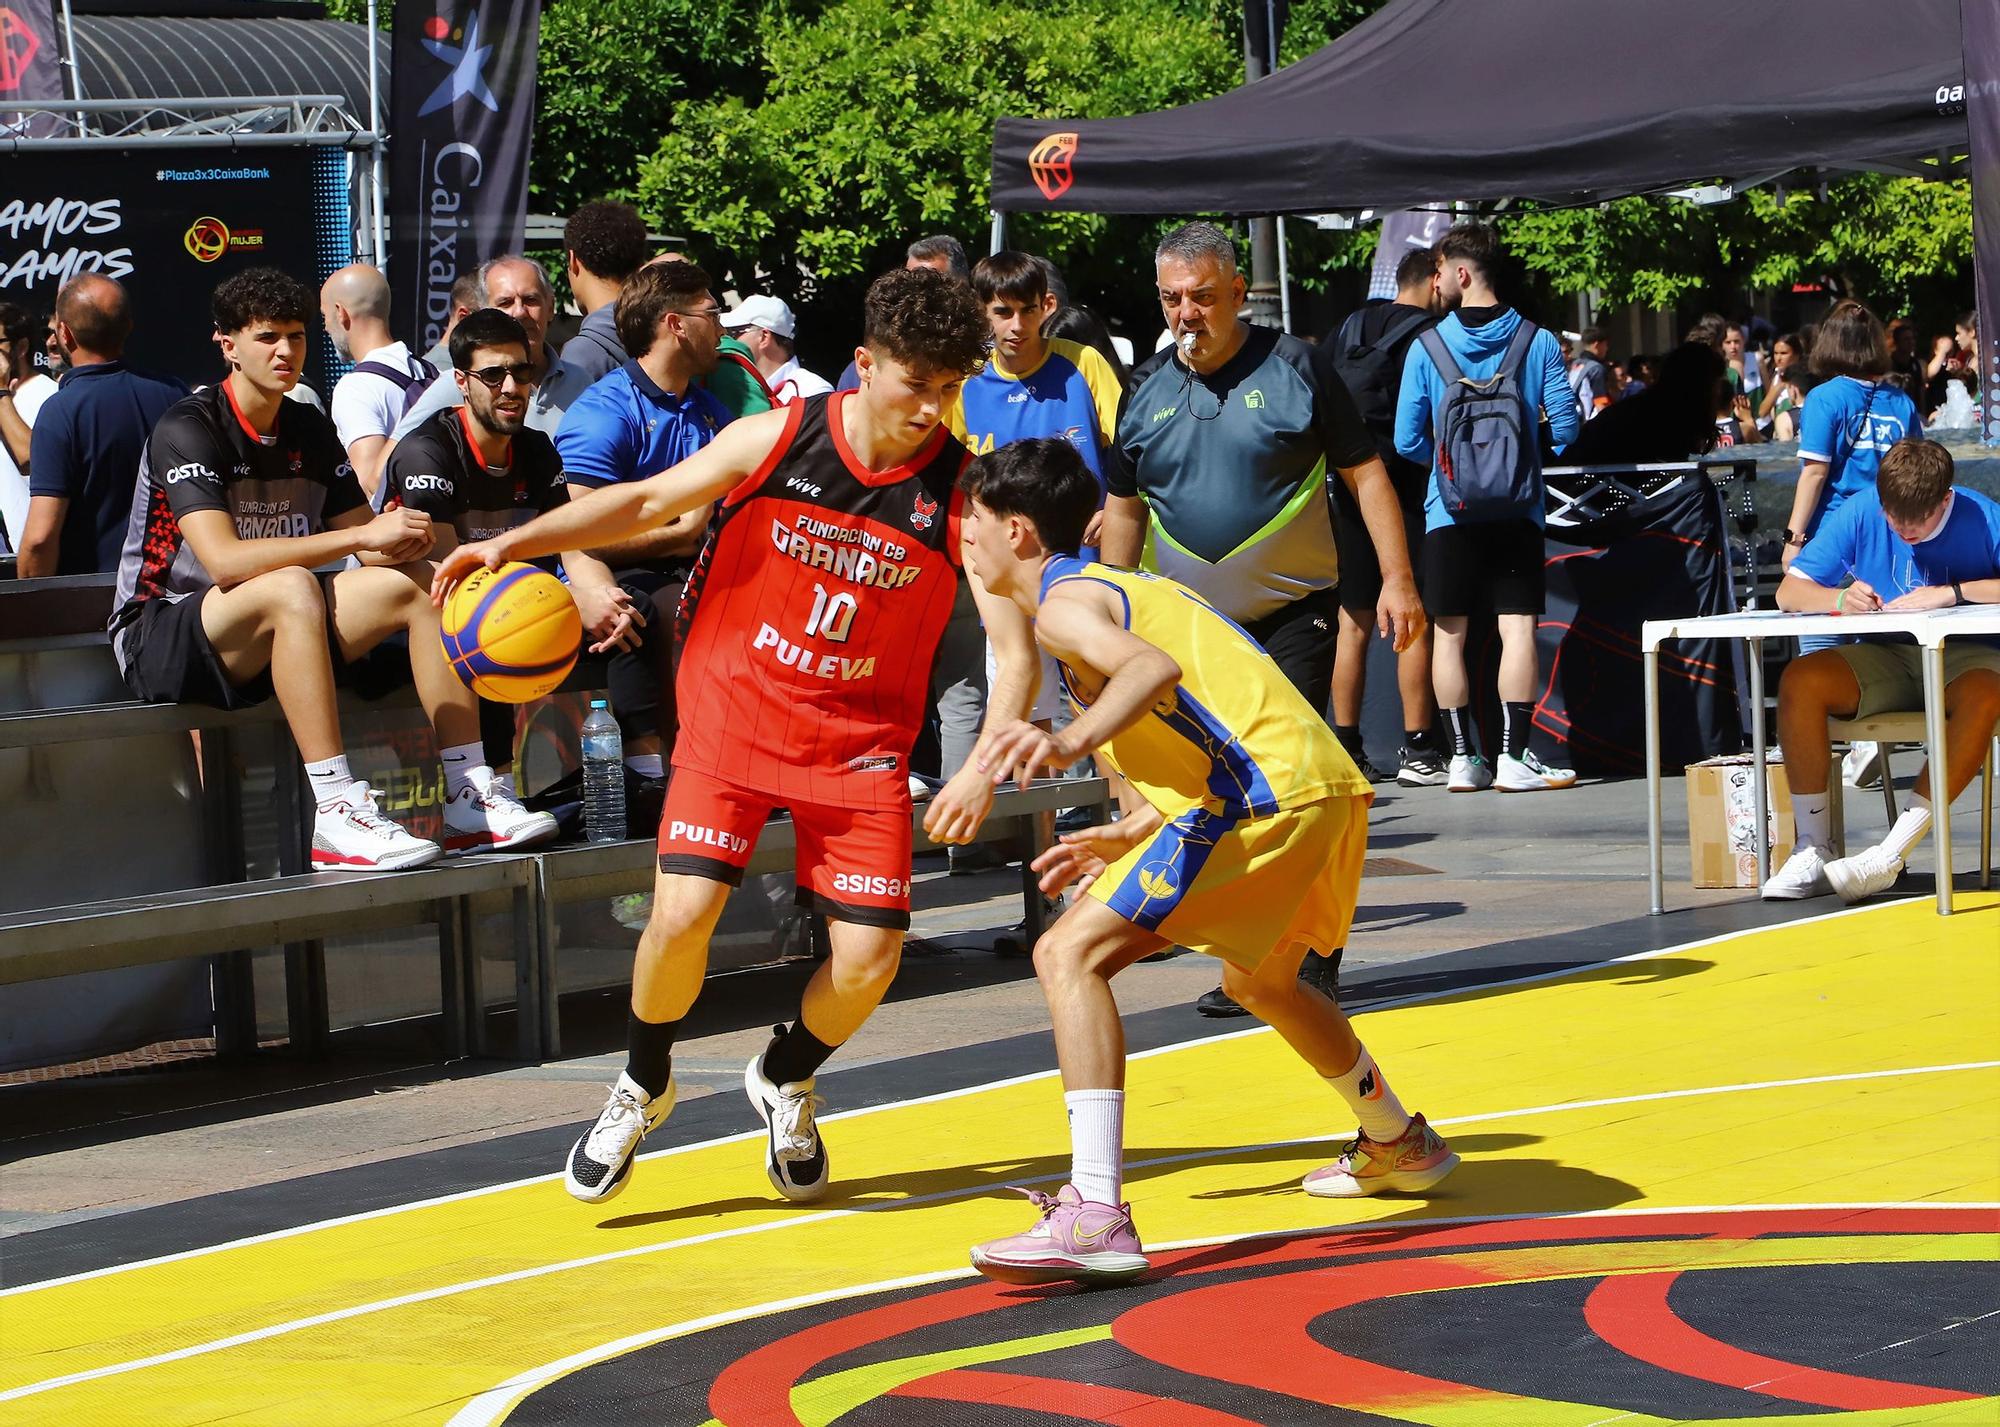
(1563, 101)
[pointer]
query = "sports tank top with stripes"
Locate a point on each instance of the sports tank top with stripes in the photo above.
(813, 617)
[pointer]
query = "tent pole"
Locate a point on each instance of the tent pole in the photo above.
(998, 242)
(1284, 281)
(374, 149)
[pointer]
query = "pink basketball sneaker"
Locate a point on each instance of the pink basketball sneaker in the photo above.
(1073, 1240)
(1411, 1165)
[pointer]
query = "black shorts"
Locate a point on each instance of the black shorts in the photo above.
(168, 660)
(1360, 569)
(1496, 566)
(1301, 638)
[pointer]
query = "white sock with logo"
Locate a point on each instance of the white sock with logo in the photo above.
(465, 763)
(1097, 1144)
(1376, 1109)
(1910, 828)
(1812, 819)
(330, 778)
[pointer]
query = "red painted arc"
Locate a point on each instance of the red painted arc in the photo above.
(1269, 1345)
(1089, 1402)
(1631, 1314)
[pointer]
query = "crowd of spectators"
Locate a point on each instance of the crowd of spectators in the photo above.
(1207, 453)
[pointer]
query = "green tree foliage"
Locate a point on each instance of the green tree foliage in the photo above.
(1886, 240)
(875, 126)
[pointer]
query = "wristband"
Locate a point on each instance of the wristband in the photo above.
(1840, 601)
(1957, 593)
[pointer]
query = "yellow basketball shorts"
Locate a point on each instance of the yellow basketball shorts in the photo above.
(1240, 888)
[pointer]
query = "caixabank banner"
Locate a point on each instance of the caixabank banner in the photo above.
(169, 224)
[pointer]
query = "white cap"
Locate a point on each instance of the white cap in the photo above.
(770, 313)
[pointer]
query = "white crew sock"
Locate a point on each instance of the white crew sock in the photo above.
(465, 763)
(1376, 1109)
(1813, 820)
(331, 778)
(1910, 828)
(646, 765)
(1097, 1144)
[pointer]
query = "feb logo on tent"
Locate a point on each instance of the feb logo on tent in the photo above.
(1051, 164)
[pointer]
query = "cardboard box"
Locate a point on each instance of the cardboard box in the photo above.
(1720, 793)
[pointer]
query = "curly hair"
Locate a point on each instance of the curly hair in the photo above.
(261, 292)
(925, 320)
(609, 239)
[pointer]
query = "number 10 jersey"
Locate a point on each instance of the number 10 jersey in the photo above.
(811, 621)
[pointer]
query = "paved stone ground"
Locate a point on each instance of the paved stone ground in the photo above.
(1469, 872)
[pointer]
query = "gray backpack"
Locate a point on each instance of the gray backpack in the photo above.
(1489, 466)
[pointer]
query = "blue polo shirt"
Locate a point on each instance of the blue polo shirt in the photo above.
(86, 446)
(625, 428)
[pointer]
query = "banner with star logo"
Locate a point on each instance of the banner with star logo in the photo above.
(462, 113)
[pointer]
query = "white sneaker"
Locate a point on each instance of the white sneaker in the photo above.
(600, 1164)
(1469, 773)
(1528, 774)
(491, 820)
(920, 791)
(1803, 875)
(795, 1157)
(350, 833)
(1872, 870)
(1862, 767)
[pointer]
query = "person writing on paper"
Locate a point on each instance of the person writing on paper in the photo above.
(1911, 542)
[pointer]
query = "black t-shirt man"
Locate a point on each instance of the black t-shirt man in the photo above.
(438, 469)
(203, 455)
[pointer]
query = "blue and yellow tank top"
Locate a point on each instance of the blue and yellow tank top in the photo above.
(1235, 735)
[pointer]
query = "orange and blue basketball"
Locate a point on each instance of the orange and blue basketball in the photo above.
(511, 634)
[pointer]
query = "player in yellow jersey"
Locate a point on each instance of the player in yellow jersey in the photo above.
(1243, 833)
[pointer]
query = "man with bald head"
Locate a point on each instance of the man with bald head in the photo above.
(89, 436)
(369, 401)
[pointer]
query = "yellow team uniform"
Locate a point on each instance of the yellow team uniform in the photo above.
(1266, 815)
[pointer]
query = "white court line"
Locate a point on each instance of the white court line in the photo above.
(492, 1406)
(464, 1194)
(361, 1310)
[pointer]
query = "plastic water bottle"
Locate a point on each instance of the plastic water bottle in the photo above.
(603, 776)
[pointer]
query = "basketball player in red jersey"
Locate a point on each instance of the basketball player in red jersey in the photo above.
(811, 623)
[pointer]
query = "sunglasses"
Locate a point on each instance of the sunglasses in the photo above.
(491, 377)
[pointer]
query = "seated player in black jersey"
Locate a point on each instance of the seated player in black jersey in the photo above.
(477, 470)
(223, 597)
(811, 625)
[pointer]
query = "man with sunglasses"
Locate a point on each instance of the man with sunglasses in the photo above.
(651, 413)
(477, 470)
(244, 498)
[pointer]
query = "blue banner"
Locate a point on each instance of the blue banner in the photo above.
(461, 115)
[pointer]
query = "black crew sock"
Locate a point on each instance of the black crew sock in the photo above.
(1418, 740)
(1519, 717)
(797, 1055)
(649, 1052)
(1459, 721)
(1349, 735)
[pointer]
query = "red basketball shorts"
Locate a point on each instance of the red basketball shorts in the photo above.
(852, 865)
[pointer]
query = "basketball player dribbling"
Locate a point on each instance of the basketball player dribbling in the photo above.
(810, 626)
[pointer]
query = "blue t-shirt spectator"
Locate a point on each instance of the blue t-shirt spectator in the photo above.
(1544, 383)
(1850, 424)
(86, 448)
(1857, 540)
(626, 427)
